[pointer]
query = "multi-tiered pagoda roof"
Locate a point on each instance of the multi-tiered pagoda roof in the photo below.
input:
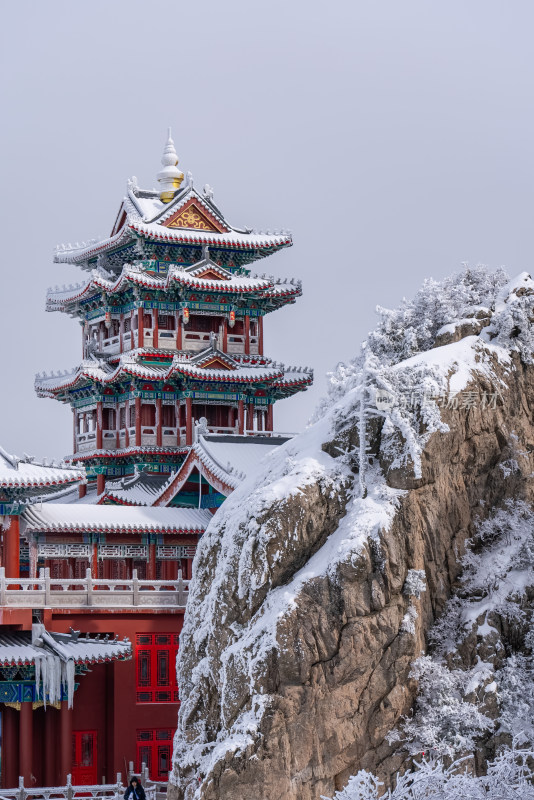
(172, 320)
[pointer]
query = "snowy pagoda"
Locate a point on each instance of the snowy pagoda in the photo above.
(172, 331)
(173, 407)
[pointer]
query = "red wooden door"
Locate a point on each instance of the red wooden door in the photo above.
(84, 758)
(154, 750)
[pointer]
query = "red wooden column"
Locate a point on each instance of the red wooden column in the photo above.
(10, 748)
(247, 334)
(179, 331)
(117, 427)
(151, 566)
(138, 422)
(178, 414)
(241, 417)
(74, 431)
(132, 333)
(155, 327)
(225, 335)
(189, 420)
(26, 743)
(127, 424)
(12, 548)
(159, 437)
(99, 423)
(82, 490)
(121, 333)
(100, 483)
(94, 560)
(250, 416)
(269, 425)
(140, 327)
(260, 336)
(65, 743)
(50, 749)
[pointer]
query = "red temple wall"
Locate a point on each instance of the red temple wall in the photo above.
(106, 698)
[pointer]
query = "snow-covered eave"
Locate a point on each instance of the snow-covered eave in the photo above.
(75, 255)
(232, 239)
(80, 651)
(25, 473)
(129, 496)
(72, 518)
(294, 379)
(46, 387)
(128, 451)
(29, 484)
(57, 300)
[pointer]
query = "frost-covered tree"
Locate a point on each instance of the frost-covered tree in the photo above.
(509, 777)
(451, 710)
(412, 328)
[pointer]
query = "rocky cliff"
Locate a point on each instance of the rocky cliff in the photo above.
(319, 578)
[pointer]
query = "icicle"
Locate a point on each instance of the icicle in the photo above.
(38, 677)
(70, 681)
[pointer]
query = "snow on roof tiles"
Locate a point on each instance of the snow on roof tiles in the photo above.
(128, 519)
(16, 472)
(98, 373)
(141, 215)
(56, 299)
(16, 647)
(138, 490)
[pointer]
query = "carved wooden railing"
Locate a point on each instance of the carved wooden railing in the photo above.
(89, 592)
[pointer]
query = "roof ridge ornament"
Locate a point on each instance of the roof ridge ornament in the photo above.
(170, 177)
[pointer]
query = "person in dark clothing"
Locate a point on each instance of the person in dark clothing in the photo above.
(134, 791)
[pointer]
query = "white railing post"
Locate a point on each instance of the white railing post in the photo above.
(181, 590)
(135, 585)
(21, 794)
(47, 586)
(2, 586)
(89, 581)
(69, 794)
(118, 787)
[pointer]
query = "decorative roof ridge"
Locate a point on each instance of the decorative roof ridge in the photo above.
(15, 462)
(180, 199)
(131, 207)
(232, 475)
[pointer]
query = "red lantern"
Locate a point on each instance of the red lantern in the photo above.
(232, 318)
(186, 315)
(107, 318)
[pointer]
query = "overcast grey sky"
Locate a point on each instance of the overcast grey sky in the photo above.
(393, 138)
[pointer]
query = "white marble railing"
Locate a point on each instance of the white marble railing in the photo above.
(88, 592)
(110, 791)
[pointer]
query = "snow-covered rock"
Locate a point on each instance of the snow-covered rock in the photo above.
(317, 581)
